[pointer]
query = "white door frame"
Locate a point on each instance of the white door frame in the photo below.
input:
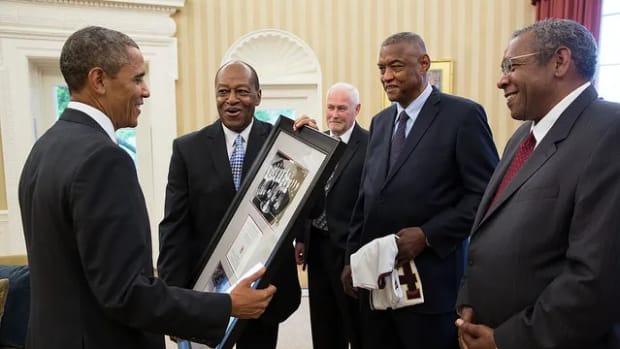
(31, 36)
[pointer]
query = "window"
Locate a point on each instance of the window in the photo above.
(271, 115)
(609, 52)
(126, 136)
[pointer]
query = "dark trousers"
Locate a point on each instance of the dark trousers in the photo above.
(405, 329)
(334, 316)
(258, 335)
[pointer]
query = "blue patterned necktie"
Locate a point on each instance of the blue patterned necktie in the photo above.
(236, 161)
(399, 138)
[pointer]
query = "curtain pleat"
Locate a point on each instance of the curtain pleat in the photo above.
(586, 12)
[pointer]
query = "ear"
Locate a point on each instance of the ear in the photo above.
(425, 62)
(258, 97)
(357, 109)
(96, 80)
(562, 61)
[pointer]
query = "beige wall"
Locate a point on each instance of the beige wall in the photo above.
(3, 205)
(346, 35)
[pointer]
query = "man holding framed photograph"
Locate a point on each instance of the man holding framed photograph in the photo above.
(206, 170)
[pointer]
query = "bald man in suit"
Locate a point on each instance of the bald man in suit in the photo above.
(201, 186)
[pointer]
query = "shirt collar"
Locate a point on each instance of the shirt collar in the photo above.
(413, 109)
(543, 126)
(230, 135)
(97, 115)
(346, 136)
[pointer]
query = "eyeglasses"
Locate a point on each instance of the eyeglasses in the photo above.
(508, 64)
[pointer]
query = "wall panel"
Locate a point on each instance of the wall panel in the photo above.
(345, 35)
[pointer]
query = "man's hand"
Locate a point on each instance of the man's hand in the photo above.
(472, 336)
(347, 282)
(411, 242)
(304, 120)
(248, 303)
(467, 316)
(300, 258)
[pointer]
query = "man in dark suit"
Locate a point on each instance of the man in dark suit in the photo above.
(85, 220)
(202, 184)
(543, 266)
(321, 244)
(429, 158)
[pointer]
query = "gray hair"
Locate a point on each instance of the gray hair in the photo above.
(354, 94)
(93, 47)
(408, 37)
(550, 34)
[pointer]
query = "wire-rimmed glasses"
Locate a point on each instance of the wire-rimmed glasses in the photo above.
(508, 64)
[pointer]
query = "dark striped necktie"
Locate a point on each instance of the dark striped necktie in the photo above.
(399, 138)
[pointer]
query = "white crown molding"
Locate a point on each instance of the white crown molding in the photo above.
(47, 19)
(278, 56)
(32, 33)
(154, 5)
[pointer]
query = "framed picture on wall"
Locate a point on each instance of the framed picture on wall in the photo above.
(439, 75)
(289, 173)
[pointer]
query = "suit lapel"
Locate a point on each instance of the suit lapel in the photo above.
(256, 139)
(420, 126)
(216, 148)
(383, 131)
(349, 151)
(219, 153)
(543, 152)
(484, 209)
(79, 117)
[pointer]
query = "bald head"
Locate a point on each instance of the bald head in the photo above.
(253, 75)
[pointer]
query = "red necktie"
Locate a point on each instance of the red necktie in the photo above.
(524, 151)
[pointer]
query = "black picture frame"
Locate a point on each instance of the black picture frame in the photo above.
(286, 178)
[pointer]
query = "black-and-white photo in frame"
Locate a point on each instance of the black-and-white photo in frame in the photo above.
(279, 188)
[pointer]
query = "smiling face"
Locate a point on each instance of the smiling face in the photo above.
(236, 96)
(403, 70)
(125, 92)
(340, 111)
(529, 87)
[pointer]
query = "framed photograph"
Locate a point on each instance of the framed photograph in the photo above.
(289, 173)
(439, 75)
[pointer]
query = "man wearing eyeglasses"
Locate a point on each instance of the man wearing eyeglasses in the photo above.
(206, 170)
(543, 266)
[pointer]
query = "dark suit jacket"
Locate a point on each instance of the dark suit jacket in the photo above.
(89, 250)
(200, 189)
(543, 261)
(436, 184)
(344, 187)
